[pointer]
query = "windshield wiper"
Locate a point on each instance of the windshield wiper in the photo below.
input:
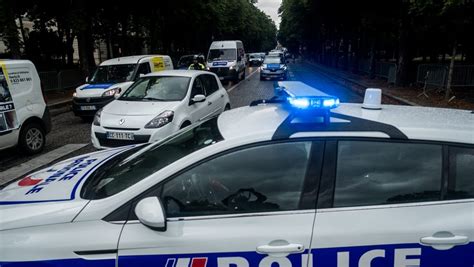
(154, 99)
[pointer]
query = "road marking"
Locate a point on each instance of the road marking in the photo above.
(38, 162)
(235, 86)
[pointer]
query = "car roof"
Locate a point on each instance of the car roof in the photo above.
(416, 123)
(128, 60)
(181, 73)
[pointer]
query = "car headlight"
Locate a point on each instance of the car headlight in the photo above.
(161, 120)
(284, 67)
(97, 117)
(231, 67)
(74, 94)
(112, 92)
(264, 66)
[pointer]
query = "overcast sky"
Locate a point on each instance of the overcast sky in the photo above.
(270, 7)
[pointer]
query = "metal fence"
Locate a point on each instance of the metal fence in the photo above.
(437, 75)
(385, 70)
(61, 80)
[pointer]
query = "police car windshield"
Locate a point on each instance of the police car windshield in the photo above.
(113, 74)
(157, 88)
(272, 60)
(132, 167)
(222, 54)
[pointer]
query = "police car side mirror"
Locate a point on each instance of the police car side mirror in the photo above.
(198, 98)
(150, 212)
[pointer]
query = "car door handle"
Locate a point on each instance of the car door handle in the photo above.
(222, 95)
(444, 240)
(280, 250)
(209, 103)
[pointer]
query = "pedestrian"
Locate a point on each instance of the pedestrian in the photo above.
(196, 65)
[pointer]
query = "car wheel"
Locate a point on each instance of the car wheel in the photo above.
(32, 138)
(243, 75)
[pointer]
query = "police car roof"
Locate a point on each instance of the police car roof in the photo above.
(181, 73)
(418, 123)
(127, 60)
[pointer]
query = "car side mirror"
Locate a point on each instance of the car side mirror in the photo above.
(198, 98)
(150, 212)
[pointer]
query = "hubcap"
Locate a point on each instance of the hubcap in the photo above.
(34, 139)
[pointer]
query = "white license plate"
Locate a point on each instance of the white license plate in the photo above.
(120, 136)
(88, 108)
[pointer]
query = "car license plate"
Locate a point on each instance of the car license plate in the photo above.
(88, 108)
(120, 136)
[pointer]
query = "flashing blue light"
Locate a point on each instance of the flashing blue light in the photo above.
(302, 103)
(313, 102)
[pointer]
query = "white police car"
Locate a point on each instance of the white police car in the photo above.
(158, 105)
(113, 77)
(279, 183)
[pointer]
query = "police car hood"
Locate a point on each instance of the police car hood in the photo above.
(51, 195)
(97, 89)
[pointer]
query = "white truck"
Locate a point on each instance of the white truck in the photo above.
(227, 60)
(24, 116)
(113, 77)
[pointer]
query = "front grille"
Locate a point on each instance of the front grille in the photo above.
(92, 100)
(103, 141)
(220, 71)
(122, 129)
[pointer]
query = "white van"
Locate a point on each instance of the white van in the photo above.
(24, 116)
(112, 77)
(227, 60)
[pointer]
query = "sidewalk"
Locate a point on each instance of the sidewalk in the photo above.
(407, 95)
(58, 98)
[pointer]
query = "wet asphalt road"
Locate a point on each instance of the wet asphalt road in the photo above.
(68, 129)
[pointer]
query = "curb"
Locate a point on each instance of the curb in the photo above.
(402, 100)
(60, 107)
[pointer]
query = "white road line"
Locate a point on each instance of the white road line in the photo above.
(235, 86)
(39, 161)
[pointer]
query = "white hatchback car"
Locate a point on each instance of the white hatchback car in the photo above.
(290, 183)
(157, 105)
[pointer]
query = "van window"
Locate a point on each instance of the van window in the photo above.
(144, 68)
(222, 54)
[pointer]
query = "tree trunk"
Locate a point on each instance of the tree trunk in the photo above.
(22, 30)
(372, 59)
(69, 47)
(404, 52)
(450, 73)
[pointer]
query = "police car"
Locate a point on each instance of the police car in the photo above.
(299, 180)
(113, 77)
(157, 105)
(273, 67)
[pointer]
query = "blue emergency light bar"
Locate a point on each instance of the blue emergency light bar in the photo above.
(302, 96)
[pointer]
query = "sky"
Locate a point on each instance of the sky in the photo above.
(270, 7)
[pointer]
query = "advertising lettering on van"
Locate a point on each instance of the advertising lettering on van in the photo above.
(8, 118)
(158, 64)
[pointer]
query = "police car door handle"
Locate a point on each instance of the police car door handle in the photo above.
(444, 240)
(280, 250)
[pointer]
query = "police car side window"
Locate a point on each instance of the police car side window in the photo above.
(461, 176)
(375, 173)
(256, 179)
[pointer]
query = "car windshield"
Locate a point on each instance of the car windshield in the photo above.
(113, 74)
(272, 60)
(222, 54)
(185, 61)
(135, 165)
(157, 88)
(254, 56)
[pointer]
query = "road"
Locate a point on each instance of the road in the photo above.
(68, 129)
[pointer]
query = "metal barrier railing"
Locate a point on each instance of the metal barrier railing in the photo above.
(61, 80)
(385, 70)
(463, 76)
(432, 75)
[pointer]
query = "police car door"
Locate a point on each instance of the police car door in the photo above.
(253, 206)
(395, 204)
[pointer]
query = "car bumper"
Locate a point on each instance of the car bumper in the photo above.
(273, 74)
(100, 140)
(88, 106)
(224, 73)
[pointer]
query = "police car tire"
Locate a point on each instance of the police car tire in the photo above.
(23, 143)
(243, 75)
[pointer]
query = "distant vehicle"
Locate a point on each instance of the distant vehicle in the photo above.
(24, 116)
(113, 77)
(157, 105)
(277, 53)
(227, 59)
(273, 67)
(185, 61)
(255, 59)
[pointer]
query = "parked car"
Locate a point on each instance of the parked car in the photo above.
(113, 77)
(24, 116)
(158, 105)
